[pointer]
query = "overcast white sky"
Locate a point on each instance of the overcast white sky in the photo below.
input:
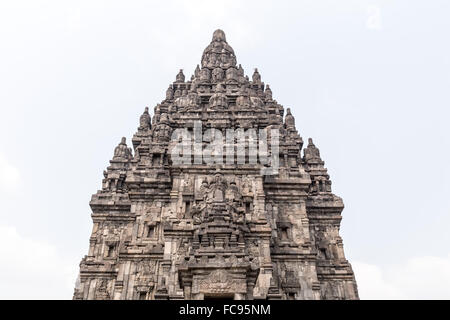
(368, 80)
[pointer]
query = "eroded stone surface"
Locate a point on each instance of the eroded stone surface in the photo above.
(193, 232)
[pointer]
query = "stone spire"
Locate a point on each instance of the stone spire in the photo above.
(169, 93)
(122, 152)
(289, 120)
(256, 77)
(145, 120)
(311, 152)
(268, 93)
(180, 76)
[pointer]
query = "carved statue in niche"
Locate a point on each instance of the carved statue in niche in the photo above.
(247, 186)
(102, 291)
(204, 189)
(232, 193)
(217, 188)
(205, 75)
(330, 291)
(187, 185)
(236, 211)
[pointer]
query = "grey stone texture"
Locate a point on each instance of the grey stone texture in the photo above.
(205, 231)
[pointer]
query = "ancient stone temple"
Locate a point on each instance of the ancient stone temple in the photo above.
(203, 229)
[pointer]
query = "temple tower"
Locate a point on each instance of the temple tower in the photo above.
(216, 225)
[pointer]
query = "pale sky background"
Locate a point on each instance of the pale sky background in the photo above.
(368, 80)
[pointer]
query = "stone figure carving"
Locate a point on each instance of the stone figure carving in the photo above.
(102, 291)
(247, 186)
(217, 188)
(196, 212)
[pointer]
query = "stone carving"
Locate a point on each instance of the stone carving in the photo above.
(256, 78)
(162, 130)
(102, 291)
(162, 231)
(289, 120)
(122, 152)
(180, 76)
(311, 152)
(145, 120)
(218, 53)
(232, 75)
(268, 93)
(218, 100)
(189, 102)
(243, 100)
(219, 281)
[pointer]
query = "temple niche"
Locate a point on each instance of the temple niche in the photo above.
(200, 230)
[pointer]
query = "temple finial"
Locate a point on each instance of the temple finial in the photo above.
(122, 152)
(256, 76)
(218, 54)
(219, 35)
(145, 120)
(289, 119)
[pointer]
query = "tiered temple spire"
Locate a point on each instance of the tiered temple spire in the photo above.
(167, 231)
